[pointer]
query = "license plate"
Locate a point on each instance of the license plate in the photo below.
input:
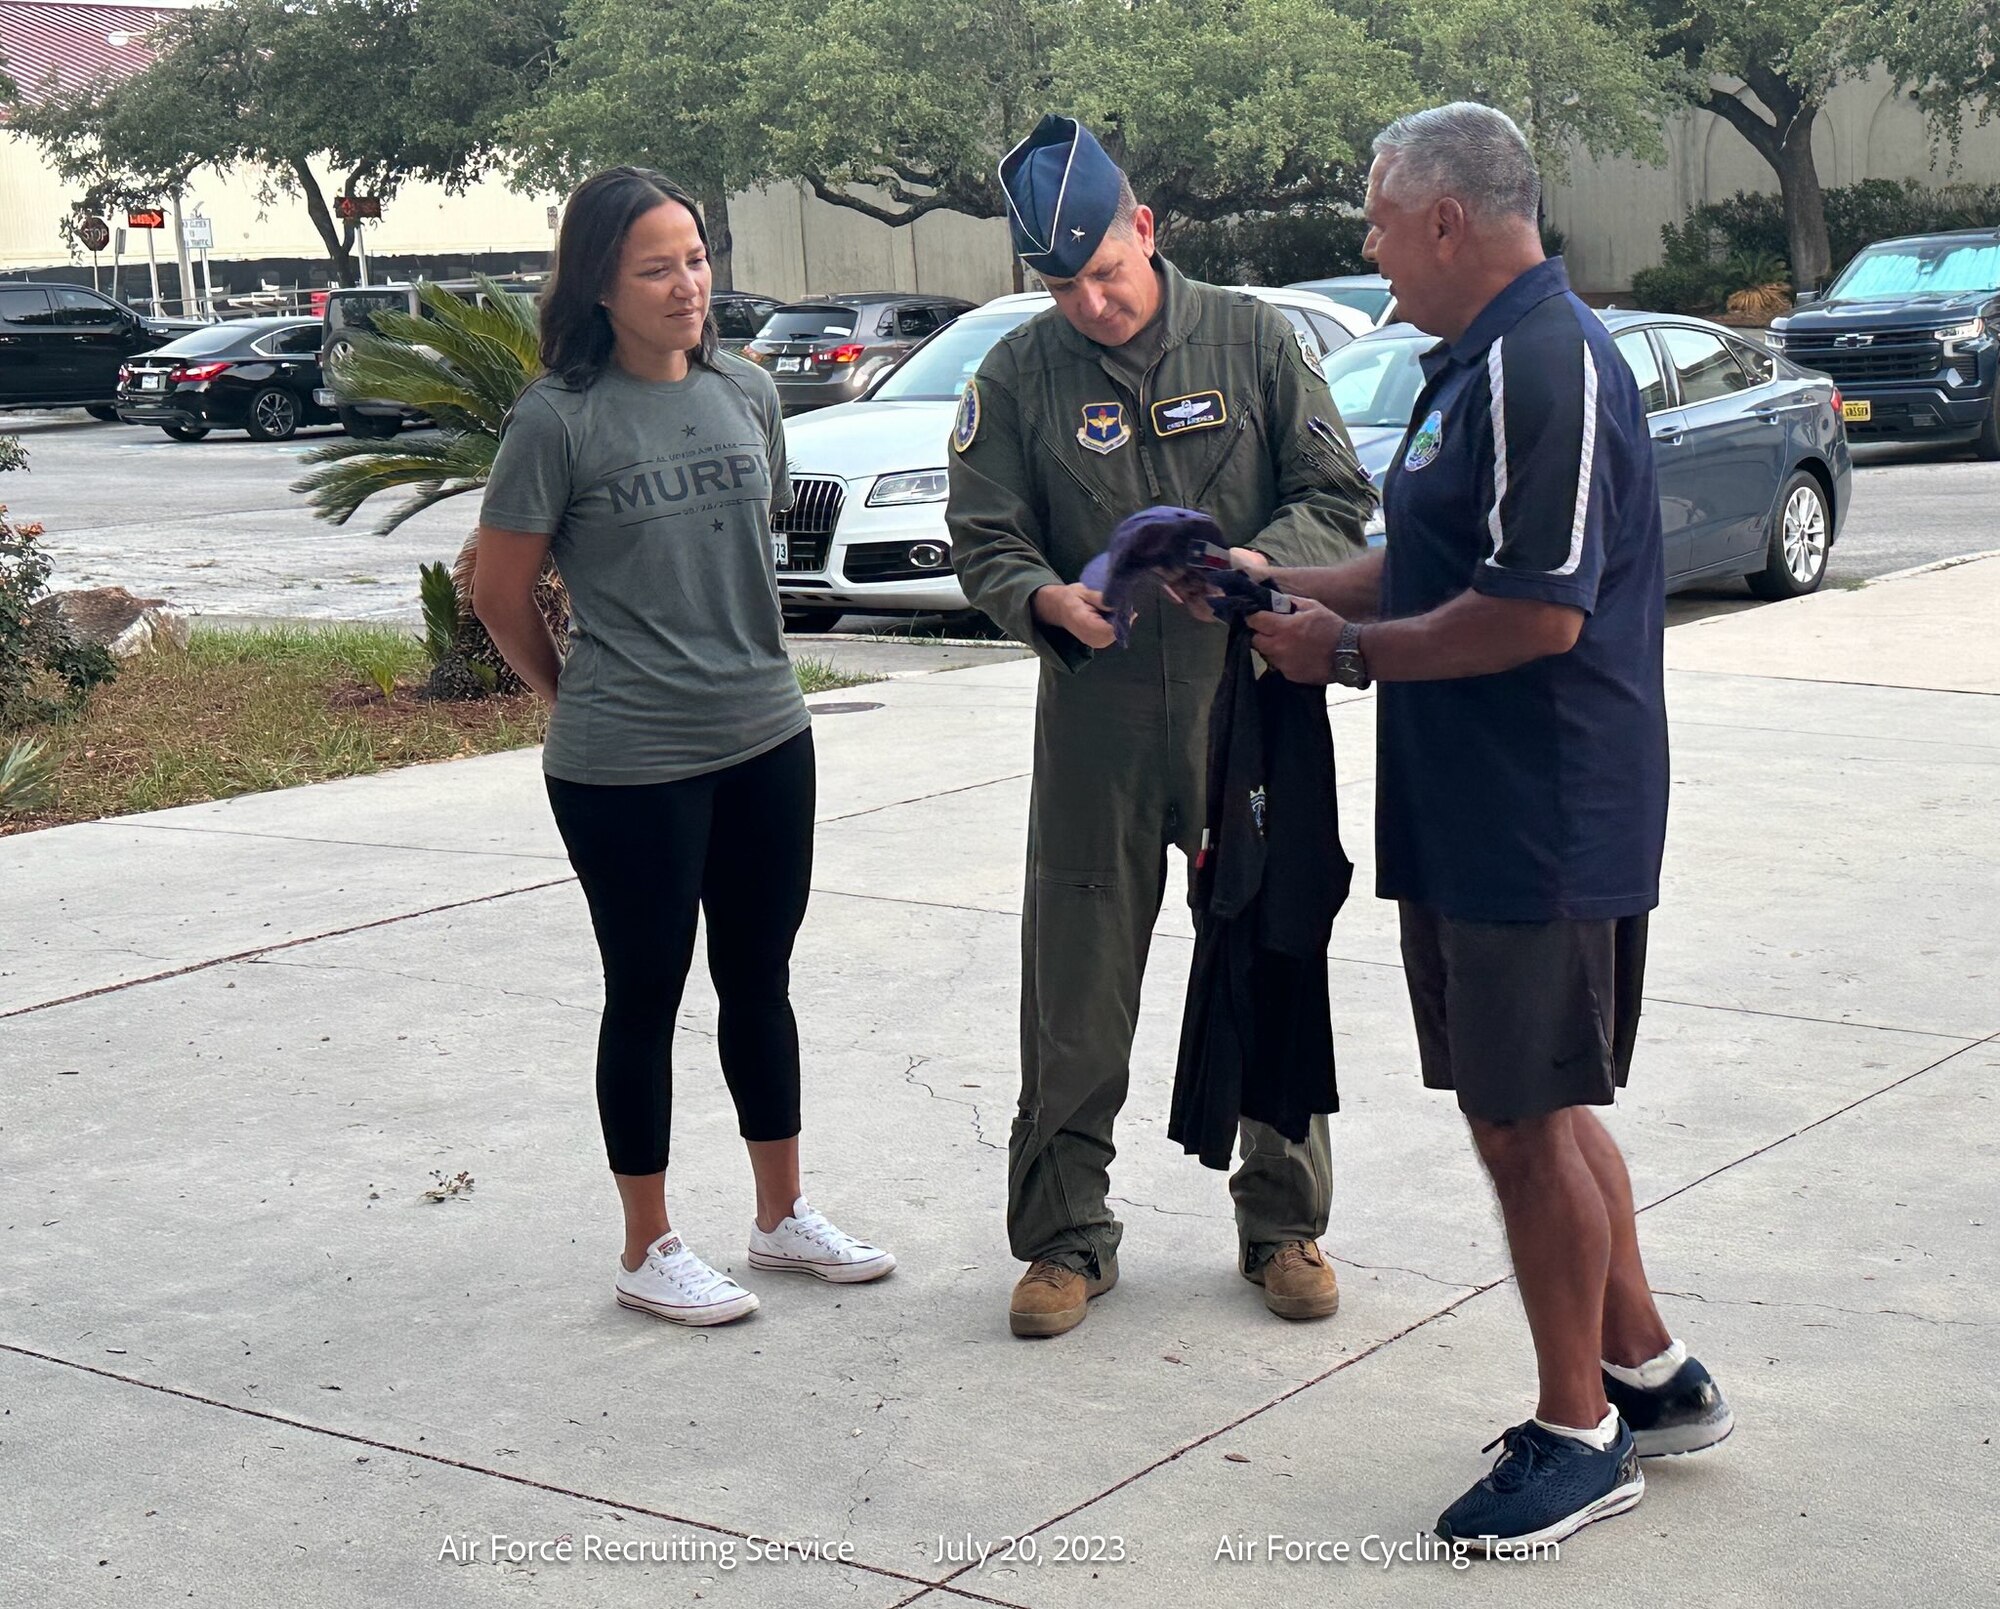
(153, 382)
(781, 551)
(1857, 413)
(791, 365)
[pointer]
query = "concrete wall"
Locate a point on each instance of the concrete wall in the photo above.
(788, 243)
(1611, 211)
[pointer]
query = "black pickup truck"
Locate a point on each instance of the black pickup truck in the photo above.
(1910, 332)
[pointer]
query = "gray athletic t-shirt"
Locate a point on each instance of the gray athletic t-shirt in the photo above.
(657, 496)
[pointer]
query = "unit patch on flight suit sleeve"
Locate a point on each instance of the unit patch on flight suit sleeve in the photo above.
(1178, 415)
(967, 426)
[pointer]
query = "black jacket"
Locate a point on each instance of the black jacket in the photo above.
(1257, 1035)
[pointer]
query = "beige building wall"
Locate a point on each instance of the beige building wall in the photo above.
(788, 242)
(1611, 211)
(422, 218)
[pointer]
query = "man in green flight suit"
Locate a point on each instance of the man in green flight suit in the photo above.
(1139, 387)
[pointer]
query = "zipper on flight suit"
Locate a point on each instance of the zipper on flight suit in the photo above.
(1082, 485)
(1222, 463)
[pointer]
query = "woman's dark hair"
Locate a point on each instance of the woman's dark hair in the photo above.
(576, 332)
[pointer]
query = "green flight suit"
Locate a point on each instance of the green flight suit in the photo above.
(1051, 451)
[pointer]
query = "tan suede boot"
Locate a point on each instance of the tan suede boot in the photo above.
(1298, 1281)
(1051, 1297)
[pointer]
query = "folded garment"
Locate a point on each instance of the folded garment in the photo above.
(1177, 545)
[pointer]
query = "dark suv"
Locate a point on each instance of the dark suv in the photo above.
(828, 349)
(1908, 334)
(351, 311)
(61, 346)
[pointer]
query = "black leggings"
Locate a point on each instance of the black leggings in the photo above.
(736, 843)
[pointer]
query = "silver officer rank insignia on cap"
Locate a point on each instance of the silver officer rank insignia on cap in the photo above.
(1104, 428)
(966, 427)
(1178, 415)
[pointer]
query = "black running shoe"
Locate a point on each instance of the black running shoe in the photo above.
(1544, 1487)
(1685, 1415)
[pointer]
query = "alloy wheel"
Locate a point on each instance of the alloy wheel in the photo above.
(1805, 535)
(276, 414)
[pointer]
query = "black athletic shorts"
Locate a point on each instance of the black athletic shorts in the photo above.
(1523, 1018)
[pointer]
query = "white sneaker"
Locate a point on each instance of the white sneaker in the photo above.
(807, 1243)
(674, 1284)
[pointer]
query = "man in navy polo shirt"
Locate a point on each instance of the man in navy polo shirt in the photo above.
(1514, 620)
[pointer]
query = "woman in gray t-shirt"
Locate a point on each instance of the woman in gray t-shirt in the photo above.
(679, 758)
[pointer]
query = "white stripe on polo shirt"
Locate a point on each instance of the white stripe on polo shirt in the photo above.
(1496, 385)
(1577, 526)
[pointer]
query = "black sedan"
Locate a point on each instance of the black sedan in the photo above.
(1750, 449)
(254, 374)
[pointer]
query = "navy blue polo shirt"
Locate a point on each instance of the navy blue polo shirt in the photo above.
(1527, 472)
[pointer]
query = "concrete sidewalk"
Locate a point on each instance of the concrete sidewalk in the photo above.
(242, 1360)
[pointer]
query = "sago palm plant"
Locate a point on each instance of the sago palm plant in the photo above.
(463, 365)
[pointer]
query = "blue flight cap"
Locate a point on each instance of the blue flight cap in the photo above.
(1062, 193)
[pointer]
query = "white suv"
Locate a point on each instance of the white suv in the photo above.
(866, 532)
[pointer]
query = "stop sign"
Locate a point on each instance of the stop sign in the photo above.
(94, 232)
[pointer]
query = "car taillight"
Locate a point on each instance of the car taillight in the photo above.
(200, 371)
(124, 373)
(843, 354)
(1836, 401)
(753, 354)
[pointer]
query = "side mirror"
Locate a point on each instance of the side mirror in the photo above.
(1805, 298)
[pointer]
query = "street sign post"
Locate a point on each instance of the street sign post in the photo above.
(200, 233)
(152, 220)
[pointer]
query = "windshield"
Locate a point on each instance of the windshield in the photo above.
(355, 308)
(1920, 268)
(216, 338)
(1375, 382)
(1364, 299)
(807, 323)
(938, 370)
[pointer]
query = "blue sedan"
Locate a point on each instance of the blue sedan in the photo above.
(1752, 456)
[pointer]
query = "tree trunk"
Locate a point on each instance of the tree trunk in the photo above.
(339, 244)
(1805, 206)
(721, 243)
(1786, 143)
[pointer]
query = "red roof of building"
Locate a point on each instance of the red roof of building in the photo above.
(76, 40)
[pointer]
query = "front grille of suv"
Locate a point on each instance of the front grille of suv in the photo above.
(808, 525)
(1892, 355)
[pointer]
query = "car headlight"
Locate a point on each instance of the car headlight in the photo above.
(1970, 330)
(920, 486)
(1775, 340)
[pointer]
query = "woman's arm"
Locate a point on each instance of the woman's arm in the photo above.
(503, 597)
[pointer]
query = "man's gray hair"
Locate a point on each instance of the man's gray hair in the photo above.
(1471, 153)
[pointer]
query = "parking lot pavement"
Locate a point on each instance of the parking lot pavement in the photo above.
(214, 527)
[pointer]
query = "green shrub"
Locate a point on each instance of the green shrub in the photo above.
(36, 645)
(27, 776)
(1751, 227)
(1679, 288)
(1270, 248)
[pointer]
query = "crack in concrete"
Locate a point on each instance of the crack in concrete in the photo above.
(1830, 1307)
(978, 1124)
(1417, 1273)
(1172, 1212)
(446, 983)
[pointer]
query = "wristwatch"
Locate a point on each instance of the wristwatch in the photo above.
(1350, 669)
